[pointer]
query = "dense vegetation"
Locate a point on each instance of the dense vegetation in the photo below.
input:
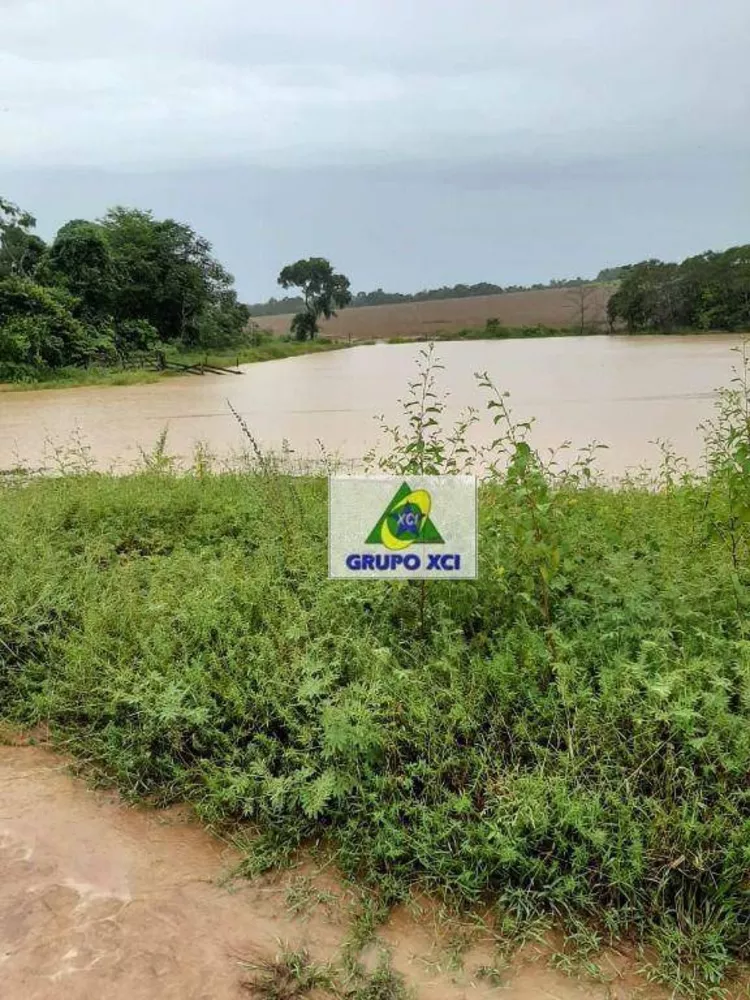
(567, 735)
(710, 291)
(102, 290)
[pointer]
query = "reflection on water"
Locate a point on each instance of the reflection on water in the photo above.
(622, 391)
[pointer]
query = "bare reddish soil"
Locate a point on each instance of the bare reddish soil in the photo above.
(554, 307)
(102, 900)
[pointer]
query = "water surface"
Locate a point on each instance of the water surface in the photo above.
(622, 391)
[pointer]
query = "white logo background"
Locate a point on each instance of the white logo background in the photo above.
(356, 504)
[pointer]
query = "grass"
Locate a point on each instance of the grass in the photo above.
(567, 736)
(71, 377)
(494, 330)
(268, 350)
(302, 897)
(292, 975)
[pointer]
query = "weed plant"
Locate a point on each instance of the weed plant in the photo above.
(568, 735)
(292, 975)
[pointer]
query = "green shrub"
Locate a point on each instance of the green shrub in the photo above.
(134, 335)
(495, 328)
(37, 326)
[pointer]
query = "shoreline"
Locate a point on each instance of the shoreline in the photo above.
(278, 350)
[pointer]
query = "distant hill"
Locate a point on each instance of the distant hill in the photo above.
(708, 291)
(553, 307)
(291, 304)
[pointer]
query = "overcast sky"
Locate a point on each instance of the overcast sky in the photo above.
(414, 142)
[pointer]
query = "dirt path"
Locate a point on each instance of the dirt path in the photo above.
(100, 900)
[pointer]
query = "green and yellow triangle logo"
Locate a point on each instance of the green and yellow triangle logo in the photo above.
(406, 521)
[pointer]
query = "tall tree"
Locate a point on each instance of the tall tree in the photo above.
(166, 272)
(323, 291)
(80, 261)
(20, 249)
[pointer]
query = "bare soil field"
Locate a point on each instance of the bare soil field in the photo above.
(554, 307)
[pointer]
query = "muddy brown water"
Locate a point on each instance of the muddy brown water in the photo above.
(98, 899)
(622, 391)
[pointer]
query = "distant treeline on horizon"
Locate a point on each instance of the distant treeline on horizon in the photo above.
(290, 304)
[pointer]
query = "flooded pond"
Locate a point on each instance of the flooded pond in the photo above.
(622, 391)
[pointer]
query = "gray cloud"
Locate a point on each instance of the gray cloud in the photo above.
(153, 84)
(579, 134)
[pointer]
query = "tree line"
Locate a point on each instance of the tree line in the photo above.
(127, 282)
(106, 288)
(710, 291)
(291, 304)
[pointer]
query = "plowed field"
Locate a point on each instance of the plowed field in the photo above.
(555, 307)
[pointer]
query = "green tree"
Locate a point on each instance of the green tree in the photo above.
(707, 291)
(276, 307)
(323, 291)
(166, 273)
(20, 250)
(134, 335)
(12, 215)
(724, 293)
(608, 274)
(224, 322)
(37, 326)
(80, 261)
(647, 297)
